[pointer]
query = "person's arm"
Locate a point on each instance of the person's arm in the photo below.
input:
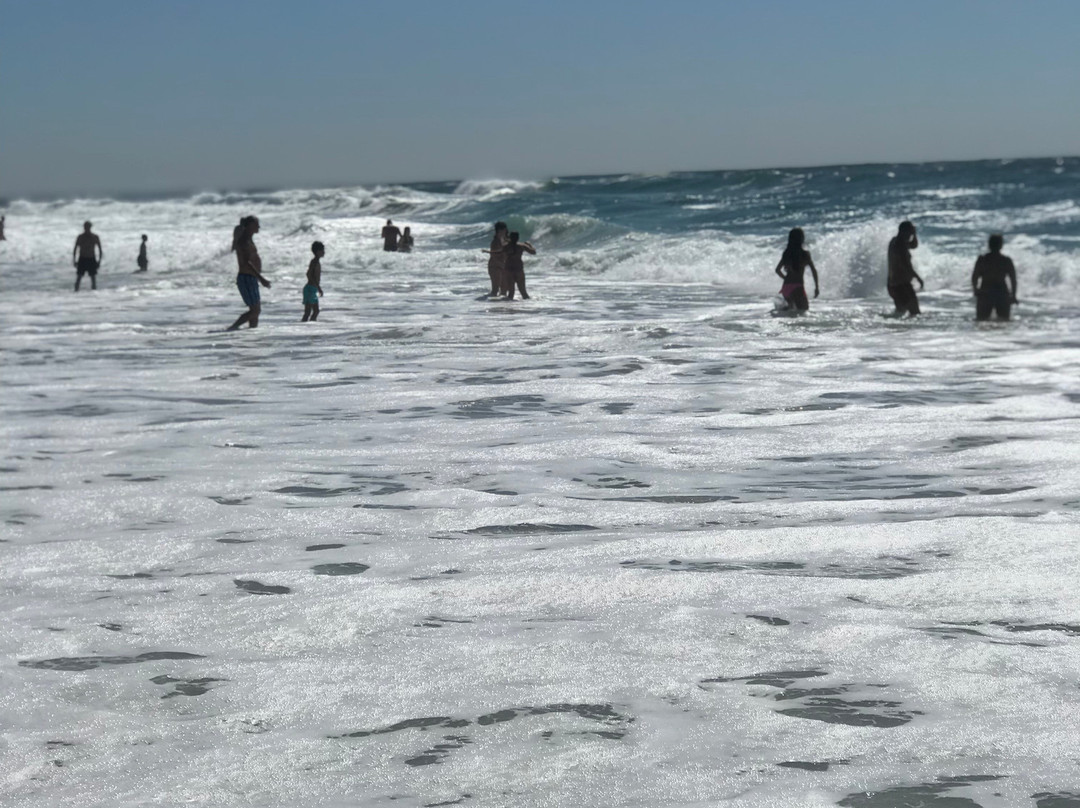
(100, 252)
(74, 252)
(256, 271)
(976, 273)
(920, 280)
(530, 249)
(914, 242)
(780, 266)
(1010, 273)
(813, 271)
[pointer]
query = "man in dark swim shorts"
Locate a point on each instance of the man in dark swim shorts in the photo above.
(87, 245)
(249, 272)
(901, 271)
(997, 290)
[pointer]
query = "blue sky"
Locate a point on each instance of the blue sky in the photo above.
(126, 95)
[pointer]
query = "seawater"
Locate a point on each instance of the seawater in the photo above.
(632, 542)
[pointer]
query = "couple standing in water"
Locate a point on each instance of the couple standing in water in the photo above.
(993, 281)
(505, 265)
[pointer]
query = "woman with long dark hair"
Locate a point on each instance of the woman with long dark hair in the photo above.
(793, 264)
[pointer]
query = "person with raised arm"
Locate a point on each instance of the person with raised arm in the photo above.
(515, 266)
(87, 256)
(792, 267)
(993, 282)
(390, 236)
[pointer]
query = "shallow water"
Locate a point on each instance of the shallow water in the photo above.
(632, 544)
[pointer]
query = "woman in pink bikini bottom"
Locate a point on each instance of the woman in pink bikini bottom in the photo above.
(793, 264)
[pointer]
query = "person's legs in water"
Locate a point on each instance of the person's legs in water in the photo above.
(314, 312)
(983, 306)
(249, 291)
(799, 300)
(307, 313)
(517, 276)
(496, 281)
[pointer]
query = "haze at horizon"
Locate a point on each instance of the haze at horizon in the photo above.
(130, 97)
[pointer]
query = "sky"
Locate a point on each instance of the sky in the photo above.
(123, 96)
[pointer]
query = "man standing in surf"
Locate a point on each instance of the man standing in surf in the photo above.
(87, 256)
(390, 235)
(901, 271)
(249, 273)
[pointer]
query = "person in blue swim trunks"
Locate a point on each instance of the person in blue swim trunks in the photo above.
(249, 272)
(313, 288)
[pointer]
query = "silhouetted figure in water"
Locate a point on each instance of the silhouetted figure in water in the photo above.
(515, 266)
(142, 260)
(2, 236)
(87, 256)
(901, 271)
(993, 281)
(390, 236)
(793, 264)
(497, 260)
(405, 245)
(313, 288)
(249, 272)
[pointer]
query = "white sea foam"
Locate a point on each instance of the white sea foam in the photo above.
(631, 542)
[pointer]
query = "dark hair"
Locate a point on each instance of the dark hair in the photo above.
(907, 227)
(514, 237)
(793, 253)
(388, 222)
(316, 246)
(86, 225)
(500, 226)
(144, 236)
(997, 241)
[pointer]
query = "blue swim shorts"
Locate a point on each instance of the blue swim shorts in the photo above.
(311, 295)
(249, 288)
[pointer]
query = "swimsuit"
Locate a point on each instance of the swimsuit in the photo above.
(249, 288)
(795, 294)
(311, 295)
(87, 266)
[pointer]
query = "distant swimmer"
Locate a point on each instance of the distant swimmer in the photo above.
(793, 264)
(313, 287)
(390, 236)
(901, 271)
(405, 245)
(2, 236)
(142, 260)
(249, 272)
(515, 266)
(497, 260)
(87, 256)
(993, 282)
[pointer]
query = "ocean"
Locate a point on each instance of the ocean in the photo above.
(631, 542)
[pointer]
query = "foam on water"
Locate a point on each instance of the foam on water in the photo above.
(632, 542)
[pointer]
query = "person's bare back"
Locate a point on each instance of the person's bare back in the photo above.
(88, 246)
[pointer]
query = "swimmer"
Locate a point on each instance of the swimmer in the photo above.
(497, 260)
(515, 266)
(390, 235)
(313, 288)
(405, 245)
(793, 264)
(2, 236)
(993, 282)
(142, 260)
(87, 246)
(249, 272)
(901, 271)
